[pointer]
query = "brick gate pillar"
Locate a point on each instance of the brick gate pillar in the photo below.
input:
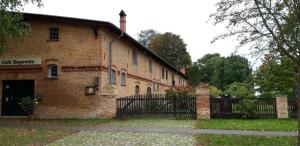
(202, 101)
(108, 103)
(282, 107)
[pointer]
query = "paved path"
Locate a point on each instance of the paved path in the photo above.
(189, 131)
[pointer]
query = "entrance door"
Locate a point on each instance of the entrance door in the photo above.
(12, 92)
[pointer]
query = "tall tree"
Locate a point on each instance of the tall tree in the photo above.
(12, 26)
(172, 48)
(219, 71)
(145, 36)
(236, 69)
(276, 76)
(265, 25)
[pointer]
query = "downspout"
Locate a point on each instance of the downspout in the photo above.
(110, 57)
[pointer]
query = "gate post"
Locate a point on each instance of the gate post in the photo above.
(108, 102)
(282, 107)
(202, 101)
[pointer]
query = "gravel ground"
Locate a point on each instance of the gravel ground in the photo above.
(149, 123)
(87, 138)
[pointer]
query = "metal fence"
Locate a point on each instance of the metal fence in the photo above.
(243, 107)
(293, 108)
(156, 106)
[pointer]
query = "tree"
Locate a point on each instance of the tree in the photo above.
(145, 36)
(172, 48)
(271, 26)
(236, 69)
(214, 91)
(12, 26)
(219, 71)
(238, 89)
(202, 70)
(276, 76)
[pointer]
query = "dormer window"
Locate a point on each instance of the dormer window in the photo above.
(54, 34)
(52, 71)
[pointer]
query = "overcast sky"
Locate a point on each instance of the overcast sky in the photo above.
(188, 18)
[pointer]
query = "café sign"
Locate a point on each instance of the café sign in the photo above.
(21, 61)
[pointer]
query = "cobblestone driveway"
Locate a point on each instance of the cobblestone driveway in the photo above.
(93, 138)
(88, 138)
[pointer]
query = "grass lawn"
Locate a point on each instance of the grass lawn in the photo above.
(22, 136)
(237, 140)
(57, 121)
(246, 124)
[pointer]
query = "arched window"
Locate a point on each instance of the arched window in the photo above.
(52, 71)
(137, 90)
(123, 79)
(148, 91)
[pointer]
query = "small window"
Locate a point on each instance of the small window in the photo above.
(137, 90)
(157, 86)
(150, 66)
(123, 79)
(154, 86)
(54, 33)
(166, 74)
(113, 77)
(162, 73)
(52, 71)
(134, 58)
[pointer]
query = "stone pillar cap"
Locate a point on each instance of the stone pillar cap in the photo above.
(202, 89)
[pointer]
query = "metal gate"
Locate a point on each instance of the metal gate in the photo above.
(156, 106)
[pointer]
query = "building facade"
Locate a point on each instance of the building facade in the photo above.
(66, 62)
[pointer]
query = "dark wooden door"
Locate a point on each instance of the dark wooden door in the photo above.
(12, 92)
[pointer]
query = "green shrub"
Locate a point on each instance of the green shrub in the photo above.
(27, 104)
(180, 92)
(247, 108)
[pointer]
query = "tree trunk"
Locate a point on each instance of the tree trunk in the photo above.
(298, 97)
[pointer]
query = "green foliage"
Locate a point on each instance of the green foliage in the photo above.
(236, 69)
(172, 48)
(180, 92)
(214, 91)
(245, 140)
(249, 124)
(145, 36)
(276, 76)
(237, 89)
(12, 26)
(27, 103)
(219, 71)
(247, 108)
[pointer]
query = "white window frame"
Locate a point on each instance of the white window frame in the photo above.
(52, 71)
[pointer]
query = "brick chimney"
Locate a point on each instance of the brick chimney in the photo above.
(182, 70)
(122, 21)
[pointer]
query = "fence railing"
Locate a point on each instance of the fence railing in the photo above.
(156, 106)
(293, 108)
(239, 107)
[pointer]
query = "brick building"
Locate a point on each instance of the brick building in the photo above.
(66, 62)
